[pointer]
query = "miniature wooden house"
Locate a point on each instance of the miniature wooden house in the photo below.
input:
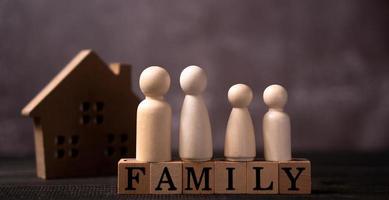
(84, 119)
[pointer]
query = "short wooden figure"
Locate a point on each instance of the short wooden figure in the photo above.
(239, 143)
(276, 125)
(195, 134)
(133, 177)
(295, 176)
(198, 177)
(84, 119)
(262, 177)
(230, 177)
(154, 117)
(166, 177)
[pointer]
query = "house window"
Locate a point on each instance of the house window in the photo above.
(117, 143)
(69, 149)
(109, 151)
(98, 106)
(123, 138)
(123, 151)
(85, 106)
(85, 119)
(74, 139)
(110, 138)
(91, 113)
(59, 140)
(123, 142)
(99, 119)
(73, 152)
(60, 153)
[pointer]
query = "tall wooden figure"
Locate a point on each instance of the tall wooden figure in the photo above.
(154, 117)
(240, 137)
(276, 125)
(195, 138)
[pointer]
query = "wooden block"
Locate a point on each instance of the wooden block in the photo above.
(133, 177)
(262, 177)
(295, 176)
(198, 177)
(166, 177)
(230, 177)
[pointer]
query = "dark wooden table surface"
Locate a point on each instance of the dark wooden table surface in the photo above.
(344, 175)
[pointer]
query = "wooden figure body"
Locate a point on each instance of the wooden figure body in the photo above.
(195, 137)
(276, 125)
(240, 137)
(84, 119)
(154, 117)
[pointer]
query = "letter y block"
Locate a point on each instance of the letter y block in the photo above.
(295, 176)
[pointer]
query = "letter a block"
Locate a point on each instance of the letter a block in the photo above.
(198, 177)
(262, 177)
(166, 178)
(295, 176)
(230, 177)
(133, 177)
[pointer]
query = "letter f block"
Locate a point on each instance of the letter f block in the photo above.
(133, 177)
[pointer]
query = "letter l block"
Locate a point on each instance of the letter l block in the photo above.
(262, 177)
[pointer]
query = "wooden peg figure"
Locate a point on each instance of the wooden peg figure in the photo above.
(276, 125)
(154, 117)
(195, 138)
(239, 143)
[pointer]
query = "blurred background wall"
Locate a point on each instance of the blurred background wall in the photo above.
(332, 56)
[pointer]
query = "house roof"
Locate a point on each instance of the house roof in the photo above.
(73, 64)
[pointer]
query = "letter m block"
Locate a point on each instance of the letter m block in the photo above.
(133, 177)
(198, 177)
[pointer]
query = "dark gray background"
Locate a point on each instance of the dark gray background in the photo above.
(332, 56)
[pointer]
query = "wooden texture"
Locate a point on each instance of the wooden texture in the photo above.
(154, 117)
(276, 125)
(195, 134)
(336, 175)
(133, 177)
(198, 177)
(262, 177)
(295, 176)
(230, 177)
(239, 144)
(166, 177)
(84, 119)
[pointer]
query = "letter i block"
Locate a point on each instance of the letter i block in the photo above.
(262, 177)
(230, 177)
(133, 177)
(295, 176)
(166, 178)
(198, 177)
